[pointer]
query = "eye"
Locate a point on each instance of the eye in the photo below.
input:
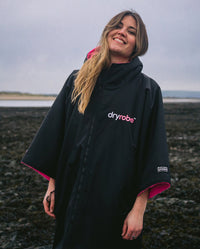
(132, 32)
(118, 26)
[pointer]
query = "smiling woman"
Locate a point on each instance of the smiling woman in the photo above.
(103, 146)
(122, 40)
(101, 58)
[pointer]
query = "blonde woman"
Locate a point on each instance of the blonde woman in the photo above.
(102, 145)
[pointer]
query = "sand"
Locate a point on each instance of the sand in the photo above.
(25, 97)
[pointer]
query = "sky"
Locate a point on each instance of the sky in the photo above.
(43, 41)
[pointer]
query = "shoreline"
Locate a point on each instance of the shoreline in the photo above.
(5, 97)
(25, 97)
(180, 100)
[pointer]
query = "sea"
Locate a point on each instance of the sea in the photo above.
(26, 103)
(168, 97)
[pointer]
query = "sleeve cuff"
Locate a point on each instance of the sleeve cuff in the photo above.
(156, 189)
(42, 174)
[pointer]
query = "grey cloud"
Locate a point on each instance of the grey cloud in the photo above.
(43, 41)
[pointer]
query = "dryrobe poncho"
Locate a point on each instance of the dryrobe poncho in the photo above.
(103, 159)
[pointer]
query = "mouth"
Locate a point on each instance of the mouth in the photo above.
(119, 40)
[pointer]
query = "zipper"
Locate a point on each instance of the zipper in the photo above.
(76, 200)
(88, 142)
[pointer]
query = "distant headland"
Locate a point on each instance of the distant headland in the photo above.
(25, 96)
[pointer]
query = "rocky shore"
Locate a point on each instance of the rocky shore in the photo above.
(172, 219)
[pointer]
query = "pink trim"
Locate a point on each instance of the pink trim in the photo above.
(156, 189)
(45, 176)
(92, 52)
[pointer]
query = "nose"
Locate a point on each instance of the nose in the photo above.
(122, 32)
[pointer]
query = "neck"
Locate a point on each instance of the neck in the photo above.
(119, 60)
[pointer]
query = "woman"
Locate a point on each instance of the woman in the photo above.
(103, 145)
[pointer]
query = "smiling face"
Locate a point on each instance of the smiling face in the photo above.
(122, 40)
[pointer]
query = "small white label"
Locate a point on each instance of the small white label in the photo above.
(162, 169)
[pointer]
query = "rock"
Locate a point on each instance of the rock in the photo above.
(22, 220)
(32, 208)
(12, 163)
(40, 247)
(8, 174)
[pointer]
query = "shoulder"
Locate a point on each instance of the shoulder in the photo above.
(69, 81)
(152, 88)
(150, 84)
(68, 85)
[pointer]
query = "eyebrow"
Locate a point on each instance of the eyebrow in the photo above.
(132, 27)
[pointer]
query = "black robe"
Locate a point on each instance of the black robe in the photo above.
(104, 159)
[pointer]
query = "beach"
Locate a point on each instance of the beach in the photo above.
(171, 220)
(18, 96)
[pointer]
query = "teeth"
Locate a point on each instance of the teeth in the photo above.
(116, 39)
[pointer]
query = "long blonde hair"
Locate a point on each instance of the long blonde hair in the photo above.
(89, 72)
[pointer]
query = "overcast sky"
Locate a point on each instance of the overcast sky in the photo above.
(42, 41)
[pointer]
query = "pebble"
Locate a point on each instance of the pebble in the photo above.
(8, 174)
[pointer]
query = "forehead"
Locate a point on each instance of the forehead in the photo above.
(129, 21)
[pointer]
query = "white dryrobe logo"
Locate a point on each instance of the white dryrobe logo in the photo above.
(162, 169)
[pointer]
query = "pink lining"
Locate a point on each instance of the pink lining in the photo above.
(96, 50)
(156, 189)
(45, 176)
(92, 52)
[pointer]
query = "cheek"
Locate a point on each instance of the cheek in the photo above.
(109, 38)
(132, 43)
(109, 42)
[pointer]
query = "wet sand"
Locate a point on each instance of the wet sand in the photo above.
(171, 220)
(25, 97)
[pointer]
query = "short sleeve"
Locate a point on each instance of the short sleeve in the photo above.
(43, 153)
(153, 163)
